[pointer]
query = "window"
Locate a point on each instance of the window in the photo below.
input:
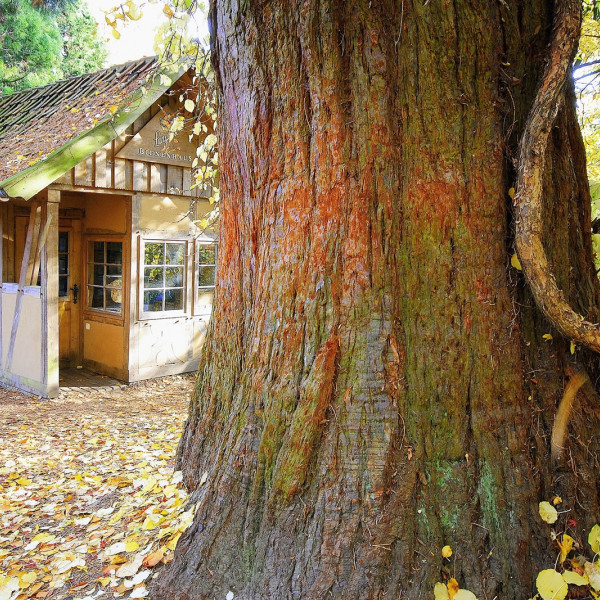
(63, 264)
(164, 277)
(207, 265)
(105, 276)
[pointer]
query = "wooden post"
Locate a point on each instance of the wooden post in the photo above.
(2, 212)
(50, 350)
(133, 294)
(32, 234)
(38, 255)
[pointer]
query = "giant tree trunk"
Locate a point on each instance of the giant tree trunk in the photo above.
(376, 383)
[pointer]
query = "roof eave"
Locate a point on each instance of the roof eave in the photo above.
(32, 180)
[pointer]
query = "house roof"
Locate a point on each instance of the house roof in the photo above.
(45, 131)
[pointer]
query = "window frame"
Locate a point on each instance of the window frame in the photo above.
(66, 275)
(94, 312)
(197, 288)
(144, 315)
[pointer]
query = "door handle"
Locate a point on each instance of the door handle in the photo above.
(75, 290)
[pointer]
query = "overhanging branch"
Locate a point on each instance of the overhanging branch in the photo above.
(528, 197)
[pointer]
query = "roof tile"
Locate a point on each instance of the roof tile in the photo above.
(37, 121)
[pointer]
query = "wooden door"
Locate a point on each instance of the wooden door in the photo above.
(69, 293)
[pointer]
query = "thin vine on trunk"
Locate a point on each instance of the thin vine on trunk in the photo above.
(529, 237)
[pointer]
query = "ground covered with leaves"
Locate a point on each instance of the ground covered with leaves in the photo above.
(90, 506)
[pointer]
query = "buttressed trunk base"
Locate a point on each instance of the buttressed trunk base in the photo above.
(376, 383)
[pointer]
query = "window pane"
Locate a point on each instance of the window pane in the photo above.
(114, 270)
(63, 286)
(114, 253)
(174, 300)
(153, 277)
(164, 269)
(154, 254)
(175, 254)
(97, 251)
(206, 255)
(174, 277)
(63, 264)
(96, 274)
(114, 282)
(63, 241)
(206, 276)
(95, 297)
(114, 297)
(153, 300)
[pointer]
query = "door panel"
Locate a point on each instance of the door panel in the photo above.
(69, 276)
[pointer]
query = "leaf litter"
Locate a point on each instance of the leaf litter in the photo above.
(89, 504)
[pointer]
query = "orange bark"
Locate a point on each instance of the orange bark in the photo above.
(366, 156)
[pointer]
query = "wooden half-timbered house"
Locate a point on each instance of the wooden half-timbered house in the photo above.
(104, 265)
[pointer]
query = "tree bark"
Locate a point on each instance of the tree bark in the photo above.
(375, 383)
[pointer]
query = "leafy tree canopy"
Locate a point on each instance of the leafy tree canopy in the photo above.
(41, 42)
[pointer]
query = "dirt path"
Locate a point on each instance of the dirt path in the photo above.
(89, 504)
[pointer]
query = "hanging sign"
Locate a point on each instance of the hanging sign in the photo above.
(152, 144)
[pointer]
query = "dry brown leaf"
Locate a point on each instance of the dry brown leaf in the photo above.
(153, 559)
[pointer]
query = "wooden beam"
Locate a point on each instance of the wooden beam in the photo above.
(38, 254)
(35, 243)
(2, 212)
(33, 229)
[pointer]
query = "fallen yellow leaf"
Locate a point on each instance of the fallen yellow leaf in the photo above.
(440, 592)
(551, 585)
(452, 587)
(566, 545)
(131, 546)
(548, 512)
(594, 538)
(575, 578)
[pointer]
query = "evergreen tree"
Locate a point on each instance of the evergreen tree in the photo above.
(44, 42)
(83, 50)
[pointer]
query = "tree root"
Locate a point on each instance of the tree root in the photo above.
(561, 420)
(528, 196)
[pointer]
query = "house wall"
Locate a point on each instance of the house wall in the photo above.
(25, 337)
(164, 344)
(107, 197)
(27, 364)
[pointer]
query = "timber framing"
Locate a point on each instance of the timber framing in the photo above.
(29, 182)
(102, 262)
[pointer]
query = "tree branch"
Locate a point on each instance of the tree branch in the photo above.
(528, 197)
(591, 63)
(585, 75)
(9, 81)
